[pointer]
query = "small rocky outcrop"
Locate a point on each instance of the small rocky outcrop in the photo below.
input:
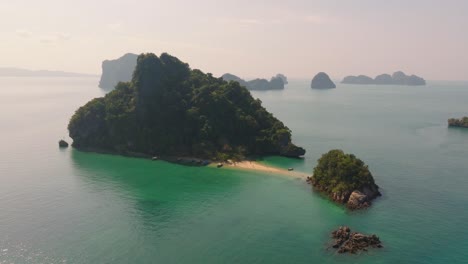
(119, 70)
(63, 144)
(345, 179)
(322, 81)
(346, 241)
(462, 122)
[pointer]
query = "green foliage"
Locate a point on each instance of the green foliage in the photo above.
(169, 109)
(340, 172)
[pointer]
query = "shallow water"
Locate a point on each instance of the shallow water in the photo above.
(68, 206)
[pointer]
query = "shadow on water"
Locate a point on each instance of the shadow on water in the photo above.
(157, 191)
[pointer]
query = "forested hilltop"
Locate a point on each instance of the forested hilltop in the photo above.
(169, 109)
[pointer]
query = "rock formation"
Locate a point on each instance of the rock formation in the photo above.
(322, 81)
(276, 83)
(398, 78)
(345, 179)
(346, 241)
(462, 122)
(119, 70)
(169, 109)
(63, 144)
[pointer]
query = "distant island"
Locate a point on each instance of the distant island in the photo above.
(345, 179)
(276, 83)
(118, 70)
(462, 122)
(170, 110)
(322, 81)
(398, 78)
(18, 72)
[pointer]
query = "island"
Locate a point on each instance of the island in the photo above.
(462, 122)
(398, 78)
(322, 81)
(345, 179)
(119, 70)
(276, 83)
(18, 72)
(346, 241)
(169, 110)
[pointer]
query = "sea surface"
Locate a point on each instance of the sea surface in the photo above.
(65, 206)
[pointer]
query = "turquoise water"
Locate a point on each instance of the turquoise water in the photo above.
(65, 206)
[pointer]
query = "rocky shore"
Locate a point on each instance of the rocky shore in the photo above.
(353, 200)
(462, 122)
(346, 241)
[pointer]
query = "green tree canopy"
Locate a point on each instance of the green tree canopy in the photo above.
(338, 172)
(169, 109)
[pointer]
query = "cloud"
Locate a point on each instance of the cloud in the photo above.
(23, 33)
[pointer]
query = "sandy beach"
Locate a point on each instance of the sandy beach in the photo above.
(253, 165)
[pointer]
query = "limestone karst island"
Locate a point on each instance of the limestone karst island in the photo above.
(345, 179)
(168, 109)
(275, 83)
(397, 78)
(322, 81)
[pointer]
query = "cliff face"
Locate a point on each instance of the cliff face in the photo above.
(169, 109)
(276, 83)
(397, 78)
(322, 81)
(119, 70)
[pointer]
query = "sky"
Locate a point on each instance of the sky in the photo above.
(249, 38)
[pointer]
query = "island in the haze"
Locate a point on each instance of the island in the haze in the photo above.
(18, 72)
(345, 179)
(275, 83)
(322, 81)
(118, 70)
(170, 110)
(398, 78)
(461, 122)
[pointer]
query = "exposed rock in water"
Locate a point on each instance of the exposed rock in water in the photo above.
(462, 122)
(63, 144)
(322, 81)
(346, 241)
(398, 78)
(119, 70)
(345, 179)
(276, 83)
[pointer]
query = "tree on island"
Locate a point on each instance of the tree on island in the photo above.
(170, 109)
(345, 179)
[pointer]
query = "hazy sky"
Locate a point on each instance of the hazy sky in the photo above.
(250, 38)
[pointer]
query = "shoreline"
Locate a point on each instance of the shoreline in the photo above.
(256, 166)
(188, 161)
